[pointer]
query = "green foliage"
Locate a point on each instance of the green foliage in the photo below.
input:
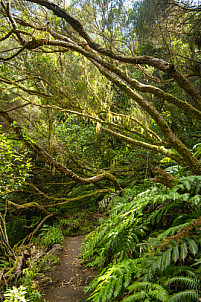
(192, 184)
(31, 274)
(136, 248)
(185, 281)
(81, 140)
(14, 166)
(17, 228)
(51, 235)
(28, 281)
(146, 291)
(187, 295)
(197, 149)
(113, 280)
(16, 294)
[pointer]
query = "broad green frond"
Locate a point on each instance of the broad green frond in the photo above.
(187, 281)
(184, 296)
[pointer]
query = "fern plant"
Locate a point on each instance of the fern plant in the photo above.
(110, 283)
(144, 242)
(51, 235)
(187, 296)
(146, 291)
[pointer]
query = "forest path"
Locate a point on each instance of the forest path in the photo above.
(68, 277)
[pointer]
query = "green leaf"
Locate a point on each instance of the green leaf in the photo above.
(193, 246)
(183, 250)
(175, 253)
(182, 296)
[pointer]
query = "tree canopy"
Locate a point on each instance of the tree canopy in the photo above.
(56, 30)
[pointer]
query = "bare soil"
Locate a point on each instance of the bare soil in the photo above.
(69, 277)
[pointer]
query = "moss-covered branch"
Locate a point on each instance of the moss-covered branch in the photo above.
(53, 164)
(55, 201)
(145, 60)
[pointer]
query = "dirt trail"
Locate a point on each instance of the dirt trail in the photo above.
(69, 277)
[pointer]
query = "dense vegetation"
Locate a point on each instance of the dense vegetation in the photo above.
(147, 245)
(100, 115)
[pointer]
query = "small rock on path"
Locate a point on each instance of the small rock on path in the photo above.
(69, 277)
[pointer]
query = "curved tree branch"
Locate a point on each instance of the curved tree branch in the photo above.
(186, 107)
(170, 137)
(47, 158)
(155, 62)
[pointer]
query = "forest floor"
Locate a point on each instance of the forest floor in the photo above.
(69, 276)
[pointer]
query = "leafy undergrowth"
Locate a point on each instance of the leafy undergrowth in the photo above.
(26, 286)
(21, 280)
(148, 249)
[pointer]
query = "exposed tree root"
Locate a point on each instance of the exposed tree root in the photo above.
(4, 242)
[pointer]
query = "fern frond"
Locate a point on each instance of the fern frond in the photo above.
(195, 200)
(175, 253)
(173, 230)
(183, 250)
(136, 297)
(187, 183)
(113, 280)
(127, 279)
(198, 261)
(144, 285)
(193, 246)
(187, 295)
(186, 281)
(190, 183)
(146, 290)
(166, 258)
(118, 286)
